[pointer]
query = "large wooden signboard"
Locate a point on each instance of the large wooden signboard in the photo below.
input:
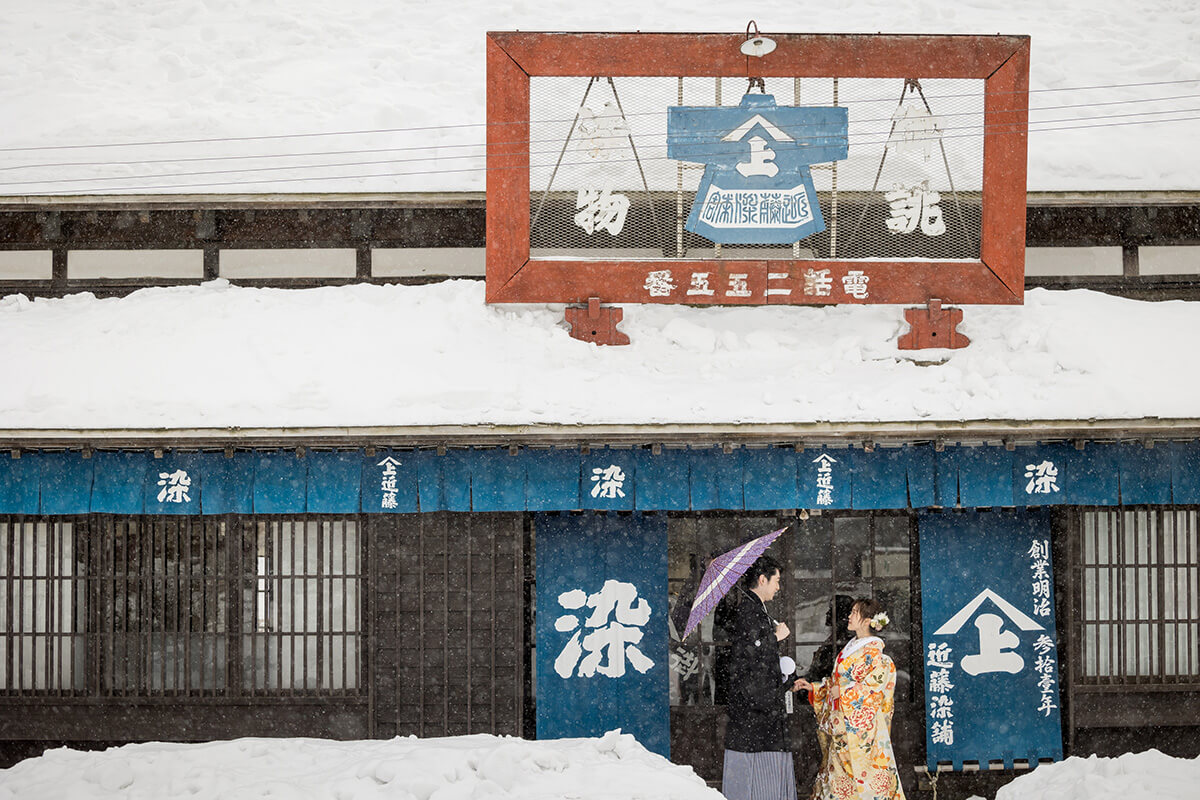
(673, 168)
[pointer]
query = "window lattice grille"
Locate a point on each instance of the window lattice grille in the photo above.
(166, 606)
(304, 623)
(1140, 596)
(41, 605)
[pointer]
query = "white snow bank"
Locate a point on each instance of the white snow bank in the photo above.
(613, 767)
(218, 355)
(82, 72)
(1133, 776)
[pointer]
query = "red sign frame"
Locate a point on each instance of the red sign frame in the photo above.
(1002, 62)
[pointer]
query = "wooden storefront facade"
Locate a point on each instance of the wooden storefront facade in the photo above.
(275, 615)
(191, 627)
(197, 628)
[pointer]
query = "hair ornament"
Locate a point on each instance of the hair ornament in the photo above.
(879, 621)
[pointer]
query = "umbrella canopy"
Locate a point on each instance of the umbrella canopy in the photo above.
(722, 574)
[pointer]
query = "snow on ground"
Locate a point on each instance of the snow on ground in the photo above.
(613, 767)
(82, 72)
(218, 355)
(1132, 776)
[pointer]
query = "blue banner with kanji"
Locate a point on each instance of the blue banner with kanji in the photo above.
(602, 641)
(698, 478)
(757, 186)
(990, 641)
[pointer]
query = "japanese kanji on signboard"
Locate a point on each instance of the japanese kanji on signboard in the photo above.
(757, 186)
(991, 669)
(676, 168)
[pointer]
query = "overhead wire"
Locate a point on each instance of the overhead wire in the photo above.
(853, 135)
(538, 122)
(486, 169)
(859, 136)
(980, 130)
(427, 128)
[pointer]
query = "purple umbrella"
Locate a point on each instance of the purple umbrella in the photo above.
(722, 574)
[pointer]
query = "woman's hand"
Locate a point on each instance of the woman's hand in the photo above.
(781, 631)
(801, 684)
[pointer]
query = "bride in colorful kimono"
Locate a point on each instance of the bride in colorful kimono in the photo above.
(854, 709)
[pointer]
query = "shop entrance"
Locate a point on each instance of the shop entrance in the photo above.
(828, 559)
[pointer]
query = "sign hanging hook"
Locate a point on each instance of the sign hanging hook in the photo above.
(758, 46)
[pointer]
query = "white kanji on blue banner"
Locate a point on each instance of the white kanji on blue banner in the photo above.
(990, 658)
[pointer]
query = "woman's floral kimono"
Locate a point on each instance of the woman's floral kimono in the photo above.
(854, 708)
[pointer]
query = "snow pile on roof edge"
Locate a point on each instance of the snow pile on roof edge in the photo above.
(222, 356)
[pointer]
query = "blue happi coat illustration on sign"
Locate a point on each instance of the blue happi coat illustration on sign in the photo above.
(991, 645)
(757, 186)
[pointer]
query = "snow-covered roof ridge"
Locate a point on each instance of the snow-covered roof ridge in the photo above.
(219, 356)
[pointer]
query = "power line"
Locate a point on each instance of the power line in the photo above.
(556, 141)
(288, 168)
(426, 128)
(523, 166)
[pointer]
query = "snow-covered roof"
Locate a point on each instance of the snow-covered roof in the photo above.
(206, 76)
(218, 356)
(208, 79)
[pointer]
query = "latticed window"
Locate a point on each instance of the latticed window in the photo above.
(41, 606)
(163, 594)
(196, 606)
(1139, 578)
(302, 630)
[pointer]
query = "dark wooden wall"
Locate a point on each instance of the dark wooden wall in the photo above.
(449, 647)
(444, 639)
(451, 221)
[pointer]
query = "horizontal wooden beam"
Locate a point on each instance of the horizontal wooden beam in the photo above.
(805, 55)
(803, 434)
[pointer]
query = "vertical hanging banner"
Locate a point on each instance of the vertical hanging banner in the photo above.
(602, 642)
(990, 641)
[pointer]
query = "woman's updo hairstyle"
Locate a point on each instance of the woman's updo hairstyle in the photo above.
(871, 610)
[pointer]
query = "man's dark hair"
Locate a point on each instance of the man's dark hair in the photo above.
(765, 566)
